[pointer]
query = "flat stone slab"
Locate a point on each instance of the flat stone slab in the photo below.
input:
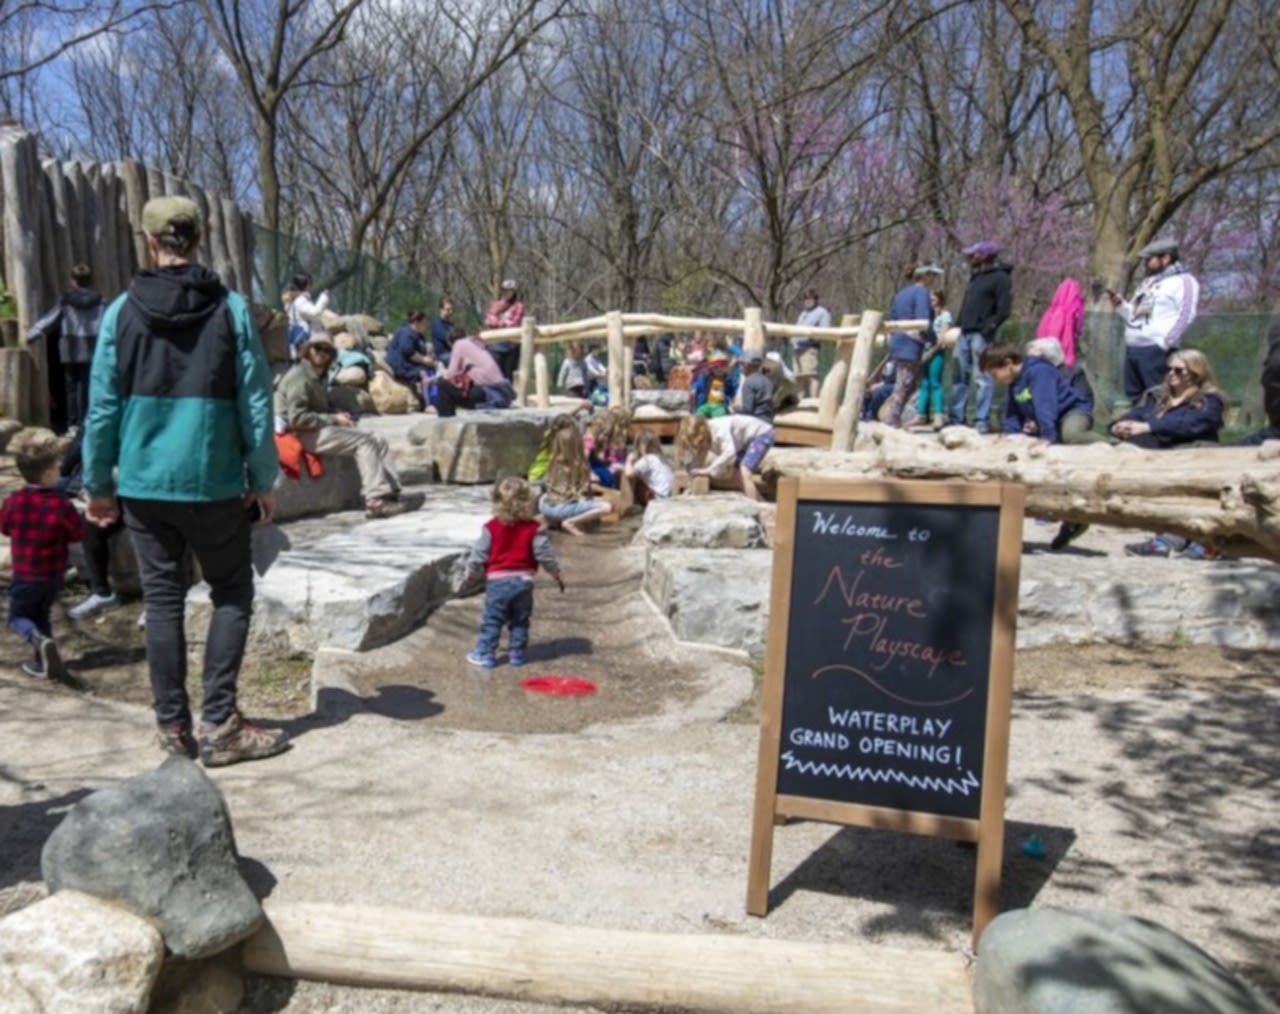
(709, 594)
(1046, 961)
(481, 446)
(343, 582)
(716, 521)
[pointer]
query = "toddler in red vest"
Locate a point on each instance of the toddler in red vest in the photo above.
(509, 551)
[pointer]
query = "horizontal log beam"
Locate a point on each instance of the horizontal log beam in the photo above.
(1226, 497)
(528, 960)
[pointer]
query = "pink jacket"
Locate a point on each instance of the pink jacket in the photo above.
(500, 315)
(1064, 318)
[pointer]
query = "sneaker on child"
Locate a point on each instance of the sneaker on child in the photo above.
(515, 657)
(1067, 534)
(93, 605)
(1197, 551)
(33, 670)
(238, 739)
(483, 661)
(1155, 546)
(50, 659)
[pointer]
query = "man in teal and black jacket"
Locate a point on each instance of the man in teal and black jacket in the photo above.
(180, 430)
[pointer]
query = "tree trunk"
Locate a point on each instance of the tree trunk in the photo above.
(1227, 497)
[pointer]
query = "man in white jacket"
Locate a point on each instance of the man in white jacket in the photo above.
(1157, 316)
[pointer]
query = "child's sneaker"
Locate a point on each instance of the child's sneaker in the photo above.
(515, 657)
(237, 740)
(1067, 534)
(93, 605)
(33, 670)
(50, 660)
(483, 661)
(1197, 551)
(1154, 546)
(176, 738)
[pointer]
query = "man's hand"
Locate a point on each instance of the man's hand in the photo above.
(103, 511)
(266, 506)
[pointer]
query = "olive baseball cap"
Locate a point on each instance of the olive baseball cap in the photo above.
(164, 216)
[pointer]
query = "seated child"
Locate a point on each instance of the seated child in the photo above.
(509, 550)
(40, 522)
(566, 499)
(606, 445)
(714, 387)
(654, 477)
(541, 460)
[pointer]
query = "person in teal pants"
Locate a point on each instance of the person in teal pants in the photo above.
(931, 403)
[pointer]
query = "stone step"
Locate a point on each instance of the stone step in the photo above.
(721, 597)
(343, 582)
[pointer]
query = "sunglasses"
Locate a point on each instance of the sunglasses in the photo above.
(1180, 371)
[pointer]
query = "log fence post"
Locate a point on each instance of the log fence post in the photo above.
(856, 383)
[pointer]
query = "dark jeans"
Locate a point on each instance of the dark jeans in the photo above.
(97, 555)
(218, 535)
(449, 398)
(31, 607)
(508, 602)
(1257, 438)
(75, 379)
(507, 356)
(1144, 367)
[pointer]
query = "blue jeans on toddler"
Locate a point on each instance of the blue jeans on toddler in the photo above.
(31, 608)
(508, 602)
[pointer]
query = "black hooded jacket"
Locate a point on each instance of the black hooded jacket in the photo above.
(74, 322)
(987, 301)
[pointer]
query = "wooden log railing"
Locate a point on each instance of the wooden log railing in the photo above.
(854, 339)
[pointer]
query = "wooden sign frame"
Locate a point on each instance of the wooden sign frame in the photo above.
(988, 830)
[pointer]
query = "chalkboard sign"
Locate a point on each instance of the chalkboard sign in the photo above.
(889, 664)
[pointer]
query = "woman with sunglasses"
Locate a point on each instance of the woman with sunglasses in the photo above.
(1185, 409)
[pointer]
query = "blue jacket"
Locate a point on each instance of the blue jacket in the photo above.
(404, 343)
(910, 303)
(1040, 394)
(1197, 419)
(179, 394)
(440, 331)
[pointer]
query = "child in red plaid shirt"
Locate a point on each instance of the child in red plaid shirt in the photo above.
(40, 522)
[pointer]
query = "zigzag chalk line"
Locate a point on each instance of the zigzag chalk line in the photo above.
(948, 785)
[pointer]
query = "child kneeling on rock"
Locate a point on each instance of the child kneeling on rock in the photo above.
(509, 550)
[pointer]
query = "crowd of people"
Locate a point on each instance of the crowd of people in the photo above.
(179, 434)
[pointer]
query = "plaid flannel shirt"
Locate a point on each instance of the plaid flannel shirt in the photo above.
(40, 523)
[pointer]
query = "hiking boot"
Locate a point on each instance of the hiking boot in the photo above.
(515, 657)
(50, 659)
(237, 739)
(93, 605)
(176, 738)
(1067, 534)
(482, 660)
(1154, 546)
(375, 509)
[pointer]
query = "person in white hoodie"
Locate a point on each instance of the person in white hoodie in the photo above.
(1157, 316)
(305, 313)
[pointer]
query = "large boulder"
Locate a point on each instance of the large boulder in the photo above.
(1052, 961)
(74, 952)
(160, 843)
(718, 521)
(338, 489)
(712, 596)
(273, 326)
(481, 446)
(390, 396)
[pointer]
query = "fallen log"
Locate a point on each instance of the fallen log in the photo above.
(529, 960)
(1225, 497)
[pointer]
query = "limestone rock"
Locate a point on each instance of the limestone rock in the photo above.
(351, 376)
(668, 401)
(718, 521)
(482, 446)
(273, 326)
(332, 322)
(712, 596)
(9, 428)
(344, 340)
(363, 324)
(338, 489)
(161, 843)
(74, 952)
(390, 396)
(1045, 961)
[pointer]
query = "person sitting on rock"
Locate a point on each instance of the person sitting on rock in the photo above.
(473, 380)
(408, 358)
(302, 401)
(566, 500)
